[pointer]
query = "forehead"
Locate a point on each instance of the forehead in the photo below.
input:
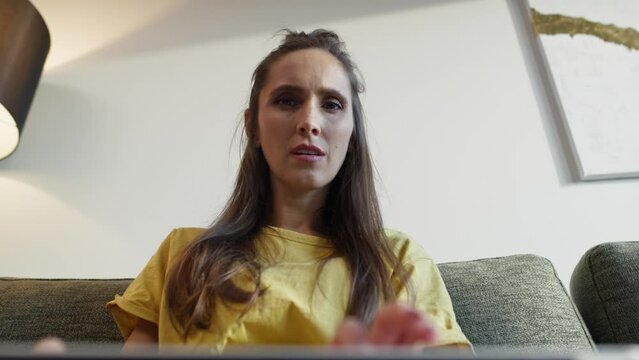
(309, 69)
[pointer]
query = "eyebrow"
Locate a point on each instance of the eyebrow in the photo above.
(299, 89)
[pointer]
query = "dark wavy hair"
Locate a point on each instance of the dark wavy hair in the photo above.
(350, 218)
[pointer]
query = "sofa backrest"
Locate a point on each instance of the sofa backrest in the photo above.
(605, 287)
(73, 310)
(516, 301)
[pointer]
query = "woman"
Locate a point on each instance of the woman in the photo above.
(299, 255)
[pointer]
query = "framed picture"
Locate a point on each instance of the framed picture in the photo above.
(592, 50)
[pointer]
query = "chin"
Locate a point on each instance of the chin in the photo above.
(311, 186)
(307, 183)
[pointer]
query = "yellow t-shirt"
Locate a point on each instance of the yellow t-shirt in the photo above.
(292, 310)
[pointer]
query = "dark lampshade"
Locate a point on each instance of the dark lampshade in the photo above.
(24, 45)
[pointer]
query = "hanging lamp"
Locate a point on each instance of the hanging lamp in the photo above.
(24, 45)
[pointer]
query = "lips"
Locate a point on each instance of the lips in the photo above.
(308, 154)
(304, 149)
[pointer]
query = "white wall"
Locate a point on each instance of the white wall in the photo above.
(130, 131)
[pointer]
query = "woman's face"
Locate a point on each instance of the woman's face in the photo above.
(305, 119)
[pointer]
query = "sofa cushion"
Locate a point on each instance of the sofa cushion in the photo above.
(605, 287)
(73, 310)
(517, 301)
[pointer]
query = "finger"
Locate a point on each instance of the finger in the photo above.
(414, 327)
(388, 324)
(350, 332)
(420, 331)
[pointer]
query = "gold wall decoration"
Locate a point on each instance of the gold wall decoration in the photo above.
(553, 24)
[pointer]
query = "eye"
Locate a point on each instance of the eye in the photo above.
(333, 105)
(286, 101)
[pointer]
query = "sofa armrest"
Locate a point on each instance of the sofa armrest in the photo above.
(605, 287)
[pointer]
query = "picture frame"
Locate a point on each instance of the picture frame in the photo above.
(591, 52)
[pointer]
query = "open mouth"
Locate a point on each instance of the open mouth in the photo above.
(305, 149)
(307, 152)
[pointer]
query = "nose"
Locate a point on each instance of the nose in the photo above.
(308, 123)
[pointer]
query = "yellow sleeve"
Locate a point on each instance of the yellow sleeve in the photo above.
(431, 296)
(143, 297)
(432, 299)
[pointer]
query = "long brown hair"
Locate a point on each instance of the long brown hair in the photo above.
(350, 218)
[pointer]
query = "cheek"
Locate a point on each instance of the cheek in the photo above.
(342, 137)
(273, 135)
(268, 129)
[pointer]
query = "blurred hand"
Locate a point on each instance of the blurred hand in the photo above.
(394, 324)
(50, 345)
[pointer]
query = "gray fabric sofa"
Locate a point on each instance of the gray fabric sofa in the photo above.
(605, 287)
(515, 300)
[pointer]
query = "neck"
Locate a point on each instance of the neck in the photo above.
(296, 210)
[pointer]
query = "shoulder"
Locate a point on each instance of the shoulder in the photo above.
(405, 247)
(185, 235)
(178, 239)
